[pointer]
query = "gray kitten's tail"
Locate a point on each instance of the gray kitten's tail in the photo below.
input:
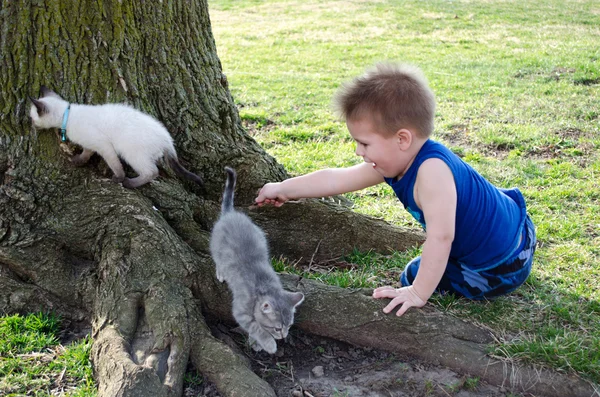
(180, 169)
(227, 204)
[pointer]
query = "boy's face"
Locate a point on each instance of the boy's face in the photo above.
(387, 153)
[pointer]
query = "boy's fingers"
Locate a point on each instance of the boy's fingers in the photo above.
(385, 293)
(395, 302)
(404, 308)
(265, 201)
(384, 287)
(379, 289)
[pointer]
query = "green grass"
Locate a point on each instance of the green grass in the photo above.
(33, 363)
(517, 86)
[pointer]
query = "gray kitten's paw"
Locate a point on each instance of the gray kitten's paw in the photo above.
(271, 346)
(117, 179)
(255, 345)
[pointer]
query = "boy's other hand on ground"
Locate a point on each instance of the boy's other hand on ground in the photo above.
(271, 194)
(406, 296)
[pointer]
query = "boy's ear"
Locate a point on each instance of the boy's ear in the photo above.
(40, 106)
(45, 91)
(404, 138)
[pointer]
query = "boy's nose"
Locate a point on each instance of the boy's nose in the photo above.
(359, 151)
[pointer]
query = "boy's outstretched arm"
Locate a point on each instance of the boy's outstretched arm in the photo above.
(328, 182)
(435, 194)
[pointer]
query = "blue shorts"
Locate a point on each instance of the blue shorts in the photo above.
(472, 284)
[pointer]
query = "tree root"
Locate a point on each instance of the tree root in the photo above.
(321, 230)
(116, 372)
(111, 256)
(21, 297)
(106, 251)
(225, 368)
(353, 316)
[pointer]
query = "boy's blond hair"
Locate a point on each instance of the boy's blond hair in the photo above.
(396, 96)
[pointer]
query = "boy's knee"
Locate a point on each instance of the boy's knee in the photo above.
(410, 272)
(404, 280)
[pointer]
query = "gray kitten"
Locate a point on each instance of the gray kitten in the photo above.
(239, 249)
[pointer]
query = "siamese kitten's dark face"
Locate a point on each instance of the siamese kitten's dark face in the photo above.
(47, 111)
(276, 316)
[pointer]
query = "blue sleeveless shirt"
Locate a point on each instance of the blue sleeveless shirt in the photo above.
(489, 221)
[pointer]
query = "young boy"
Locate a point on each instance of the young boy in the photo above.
(480, 241)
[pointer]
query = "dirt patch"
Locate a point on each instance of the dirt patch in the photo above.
(255, 127)
(309, 366)
(559, 72)
(460, 142)
(570, 133)
(573, 145)
(570, 146)
(587, 81)
(555, 74)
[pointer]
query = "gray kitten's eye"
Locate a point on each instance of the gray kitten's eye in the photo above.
(278, 329)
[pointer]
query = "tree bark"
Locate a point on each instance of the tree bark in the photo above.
(134, 263)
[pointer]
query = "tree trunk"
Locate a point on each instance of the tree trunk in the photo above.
(134, 263)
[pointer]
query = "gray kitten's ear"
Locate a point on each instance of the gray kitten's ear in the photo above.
(45, 91)
(40, 106)
(266, 307)
(296, 298)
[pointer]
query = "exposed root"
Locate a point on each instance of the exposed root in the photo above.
(21, 297)
(222, 366)
(118, 374)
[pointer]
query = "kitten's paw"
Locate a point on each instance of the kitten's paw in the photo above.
(117, 179)
(78, 160)
(270, 346)
(254, 344)
(127, 183)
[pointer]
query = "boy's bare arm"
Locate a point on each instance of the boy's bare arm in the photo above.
(328, 182)
(436, 196)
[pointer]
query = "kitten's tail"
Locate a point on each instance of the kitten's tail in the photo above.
(181, 170)
(227, 204)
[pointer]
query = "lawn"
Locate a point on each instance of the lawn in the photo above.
(517, 86)
(34, 363)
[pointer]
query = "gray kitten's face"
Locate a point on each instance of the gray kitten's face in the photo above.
(276, 315)
(47, 111)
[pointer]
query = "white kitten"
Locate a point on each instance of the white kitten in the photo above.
(114, 131)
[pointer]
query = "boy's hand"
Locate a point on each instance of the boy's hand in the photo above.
(271, 194)
(407, 296)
